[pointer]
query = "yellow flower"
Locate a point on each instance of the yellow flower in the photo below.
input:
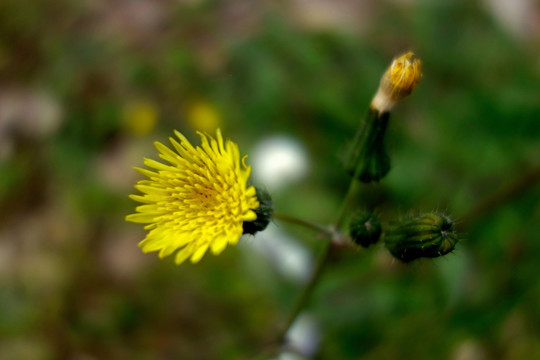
(198, 201)
(398, 81)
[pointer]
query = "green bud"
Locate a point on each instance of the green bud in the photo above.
(365, 229)
(425, 236)
(264, 213)
(367, 159)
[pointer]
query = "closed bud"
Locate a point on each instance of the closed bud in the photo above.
(426, 236)
(365, 229)
(264, 213)
(367, 159)
(398, 81)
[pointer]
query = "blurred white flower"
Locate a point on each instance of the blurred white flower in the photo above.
(304, 335)
(291, 259)
(279, 160)
(303, 339)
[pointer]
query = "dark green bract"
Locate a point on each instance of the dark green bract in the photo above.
(367, 159)
(264, 213)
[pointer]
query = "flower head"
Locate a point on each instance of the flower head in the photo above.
(398, 81)
(198, 201)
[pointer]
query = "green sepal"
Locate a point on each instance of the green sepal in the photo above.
(367, 159)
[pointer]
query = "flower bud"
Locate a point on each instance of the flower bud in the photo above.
(397, 82)
(425, 236)
(264, 213)
(367, 159)
(365, 229)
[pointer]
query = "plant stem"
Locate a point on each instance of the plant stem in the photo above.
(334, 234)
(306, 293)
(347, 202)
(297, 221)
(322, 260)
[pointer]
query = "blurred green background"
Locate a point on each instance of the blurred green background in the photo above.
(87, 86)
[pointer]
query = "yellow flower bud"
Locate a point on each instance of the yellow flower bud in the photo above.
(397, 82)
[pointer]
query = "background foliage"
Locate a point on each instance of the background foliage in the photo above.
(87, 86)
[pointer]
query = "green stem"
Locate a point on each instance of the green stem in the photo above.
(347, 203)
(322, 260)
(310, 225)
(333, 233)
(306, 293)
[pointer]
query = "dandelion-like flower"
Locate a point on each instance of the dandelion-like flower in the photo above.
(198, 201)
(398, 81)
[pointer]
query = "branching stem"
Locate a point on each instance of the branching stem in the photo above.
(334, 234)
(306, 293)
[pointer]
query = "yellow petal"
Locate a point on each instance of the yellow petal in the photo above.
(183, 254)
(199, 253)
(141, 218)
(219, 245)
(249, 216)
